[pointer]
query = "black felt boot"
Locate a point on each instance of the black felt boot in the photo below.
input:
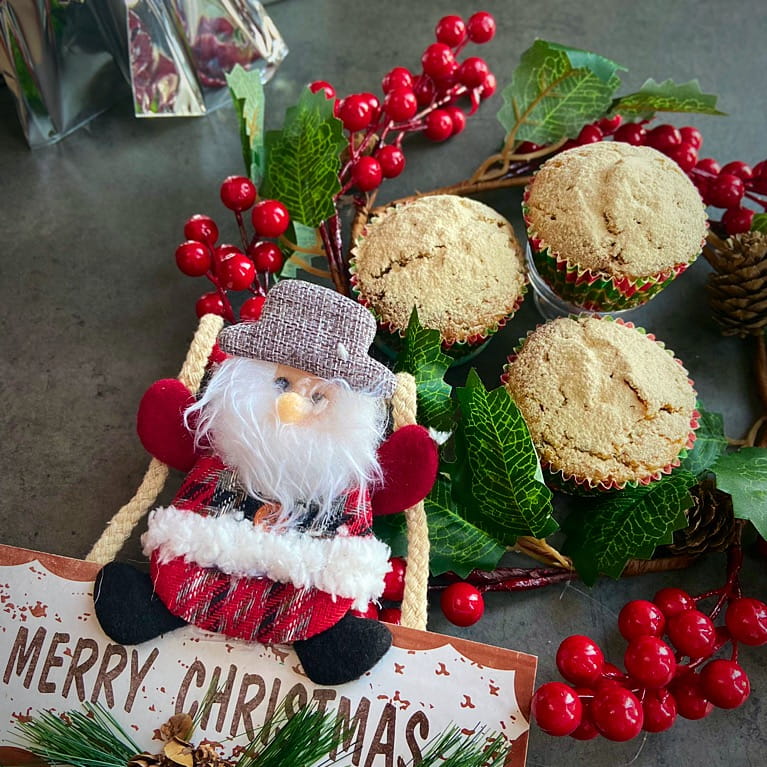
(345, 651)
(127, 608)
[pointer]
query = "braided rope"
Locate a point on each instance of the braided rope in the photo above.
(121, 525)
(414, 602)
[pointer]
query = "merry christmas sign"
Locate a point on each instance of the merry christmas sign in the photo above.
(54, 656)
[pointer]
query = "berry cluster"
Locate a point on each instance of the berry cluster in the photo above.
(663, 679)
(227, 266)
(425, 102)
(394, 591)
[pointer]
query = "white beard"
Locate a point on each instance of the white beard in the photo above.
(289, 463)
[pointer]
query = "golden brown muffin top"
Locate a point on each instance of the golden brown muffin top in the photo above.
(602, 400)
(455, 259)
(616, 208)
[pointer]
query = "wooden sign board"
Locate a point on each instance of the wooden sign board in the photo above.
(54, 656)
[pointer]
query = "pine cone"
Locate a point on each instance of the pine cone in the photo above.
(711, 522)
(737, 290)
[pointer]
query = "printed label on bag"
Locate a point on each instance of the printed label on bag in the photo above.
(54, 656)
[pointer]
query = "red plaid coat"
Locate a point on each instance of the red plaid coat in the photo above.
(216, 564)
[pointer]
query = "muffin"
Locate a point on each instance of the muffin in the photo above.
(611, 224)
(454, 259)
(606, 404)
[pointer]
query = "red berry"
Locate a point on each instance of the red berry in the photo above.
(326, 88)
(650, 661)
(375, 105)
(450, 30)
(458, 118)
(585, 730)
(760, 169)
(462, 604)
(693, 633)
(425, 91)
(267, 257)
(691, 136)
(691, 703)
(557, 708)
(740, 169)
(238, 193)
(439, 125)
(664, 137)
(725, 683)
(589, 134)
(616, 713)
(201, 229)
(400, 104)
(370, 612)
(270, 218)
(355, 112)
(392, 160)
(726, 191)
(438, 60)
(659, 709)
(251, 309)
(390, 615)
(489, 86)
(746, 618)
(528, 146)
(631, 133)
(673, 601)
(481, 27)
(337, 104)
(685, 156)
(236, 272)
(394, 580)
(608, 125)
(473, 72)
(210, 303)
(399, 77)
(758, 184)
(641, 618)
(580, 660)
(367, 173)
(708, 165)
(737, 220)
(193, 258)
(221, 253)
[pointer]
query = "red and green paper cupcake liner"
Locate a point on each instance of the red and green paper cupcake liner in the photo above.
(572, 484)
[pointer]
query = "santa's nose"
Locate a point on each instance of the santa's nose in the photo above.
(292, 407)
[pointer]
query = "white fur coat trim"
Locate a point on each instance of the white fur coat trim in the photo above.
(351, 567)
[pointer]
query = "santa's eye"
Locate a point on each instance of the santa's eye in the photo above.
(317, 397)
(282, 383)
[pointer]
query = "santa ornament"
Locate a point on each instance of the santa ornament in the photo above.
(269, 538)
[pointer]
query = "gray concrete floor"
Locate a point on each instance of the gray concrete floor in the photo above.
(93, 309)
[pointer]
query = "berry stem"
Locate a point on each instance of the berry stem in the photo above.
(228, 311)
(241, 227)
(335, 260)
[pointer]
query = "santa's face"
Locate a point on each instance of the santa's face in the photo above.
(290, 435)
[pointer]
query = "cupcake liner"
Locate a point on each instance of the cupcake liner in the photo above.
(595, 291)
(573, 484)
(457, 348)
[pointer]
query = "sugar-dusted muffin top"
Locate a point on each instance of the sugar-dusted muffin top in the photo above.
(627, 211)
(455, 259)
(603, 402)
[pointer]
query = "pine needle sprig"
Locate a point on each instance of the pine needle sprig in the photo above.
(302, 740)
(454, 749)
(90, 739)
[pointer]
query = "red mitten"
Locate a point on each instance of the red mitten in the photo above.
(409, 462)
(160, 423)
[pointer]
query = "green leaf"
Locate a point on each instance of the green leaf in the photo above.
(247, 93)
(392, 530)
(605, 533)
(508, 499)
(555, 91)
(423, 358)
(667, 96)
(304, 237)
(456, 545)
(303, 160)
(710, 443)
(759, 223)
(743, 475)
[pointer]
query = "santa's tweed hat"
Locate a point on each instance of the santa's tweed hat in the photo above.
(314, 329)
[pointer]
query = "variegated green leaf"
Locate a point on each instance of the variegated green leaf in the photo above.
(305, 237)
(247, 94)
(667, 96)
(743, 475)
(759, 223)
(710, 443)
